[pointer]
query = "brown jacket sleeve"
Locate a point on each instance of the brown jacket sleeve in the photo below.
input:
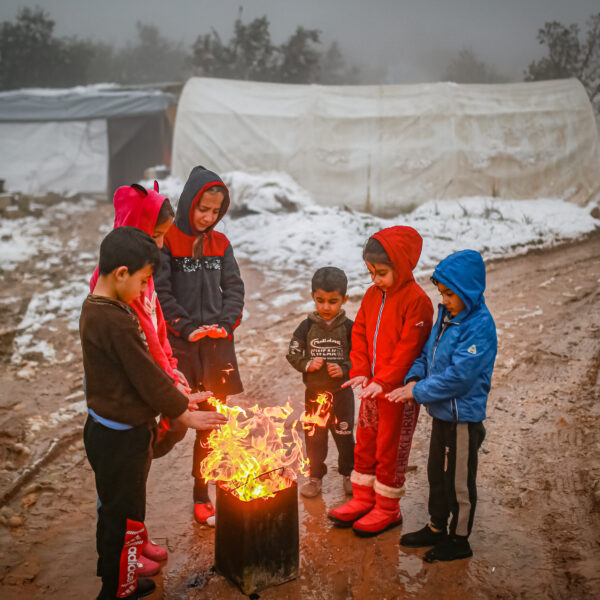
(153, 385)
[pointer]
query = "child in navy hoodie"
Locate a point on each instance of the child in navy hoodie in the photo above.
(202, 296)
(452, 378)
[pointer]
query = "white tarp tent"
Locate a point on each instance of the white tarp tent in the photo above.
(386, 148)
(86, 139)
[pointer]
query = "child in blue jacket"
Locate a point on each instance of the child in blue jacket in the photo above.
(452, 378)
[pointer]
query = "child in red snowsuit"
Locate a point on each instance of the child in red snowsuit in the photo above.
(391, 327)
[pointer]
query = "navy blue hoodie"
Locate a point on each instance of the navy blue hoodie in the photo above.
(456, 364)
(204, 290)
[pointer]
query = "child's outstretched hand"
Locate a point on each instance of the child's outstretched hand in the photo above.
(181, 378)
(197, 398)
(355, 382)
(334, 370)
(315, 364)
(372, 390)
(184, 389)
(202, 419)
(402, 394)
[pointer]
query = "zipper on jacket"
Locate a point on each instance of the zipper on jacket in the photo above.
(445, 325)
(375, 337)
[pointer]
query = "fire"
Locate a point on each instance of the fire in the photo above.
(320, 417)
(251, 455)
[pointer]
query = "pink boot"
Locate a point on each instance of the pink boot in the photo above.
(385, 515)
(154, 551)
(363, 499)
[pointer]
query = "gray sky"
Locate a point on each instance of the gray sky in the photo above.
(413, 39)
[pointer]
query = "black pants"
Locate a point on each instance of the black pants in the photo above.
(201, 451)
(121, 461)
(452, 473)
(341, 425)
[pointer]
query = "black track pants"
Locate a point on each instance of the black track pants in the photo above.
(121, 461)
(341, 425)
(452, 473)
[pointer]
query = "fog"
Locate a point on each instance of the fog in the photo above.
(408, 41)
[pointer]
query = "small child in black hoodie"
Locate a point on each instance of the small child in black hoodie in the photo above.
(320, 350)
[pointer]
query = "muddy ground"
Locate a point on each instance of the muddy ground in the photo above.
(536, 531)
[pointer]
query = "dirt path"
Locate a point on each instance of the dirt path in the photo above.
(536, 532)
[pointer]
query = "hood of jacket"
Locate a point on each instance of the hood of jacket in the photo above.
(137, 207)
(464, 273)
(199, 180)
(403, 245)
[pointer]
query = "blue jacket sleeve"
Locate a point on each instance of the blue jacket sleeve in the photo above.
(472, 354)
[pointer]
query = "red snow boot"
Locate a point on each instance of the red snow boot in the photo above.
(147, 567)
(385, 515)
(154, 551)
(363, 499)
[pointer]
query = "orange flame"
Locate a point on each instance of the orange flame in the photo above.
(250, 455)
(320, 417)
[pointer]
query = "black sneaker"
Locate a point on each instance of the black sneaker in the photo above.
(145, 587)
(451, 548)
(423, 537)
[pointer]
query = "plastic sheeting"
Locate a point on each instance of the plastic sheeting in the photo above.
(90, 102)
(63, 157)
(385, 149)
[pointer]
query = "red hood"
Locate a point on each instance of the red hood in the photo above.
(403, 245)
(136, 209)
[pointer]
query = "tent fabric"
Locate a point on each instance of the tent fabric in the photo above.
(385, 149)
(82, 103)
(90, 139)
(55, 156)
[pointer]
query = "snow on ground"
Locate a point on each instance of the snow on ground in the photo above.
(286, 234)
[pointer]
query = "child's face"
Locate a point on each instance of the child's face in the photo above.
(129, 287)
(158, 235)
(328, 304)
(451, 300)
(207, 210)
(382, 275)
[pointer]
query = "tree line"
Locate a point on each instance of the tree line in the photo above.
(31, 55)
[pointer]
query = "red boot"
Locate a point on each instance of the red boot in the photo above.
(385, 515)
(363, 499)
(147, 567)
(154, 551)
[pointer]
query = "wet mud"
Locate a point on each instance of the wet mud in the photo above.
(536, 532)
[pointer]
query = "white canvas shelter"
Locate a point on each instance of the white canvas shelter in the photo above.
(387, 148)
(86, 139)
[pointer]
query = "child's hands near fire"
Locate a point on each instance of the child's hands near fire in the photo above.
(184, 389)
(197, 398)
(315, 364)
(202, 419)
(334, 370)
(198, 333)
(355, 382)
(402, 394)
(181, 378)
(372, 390)
(213, 331)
